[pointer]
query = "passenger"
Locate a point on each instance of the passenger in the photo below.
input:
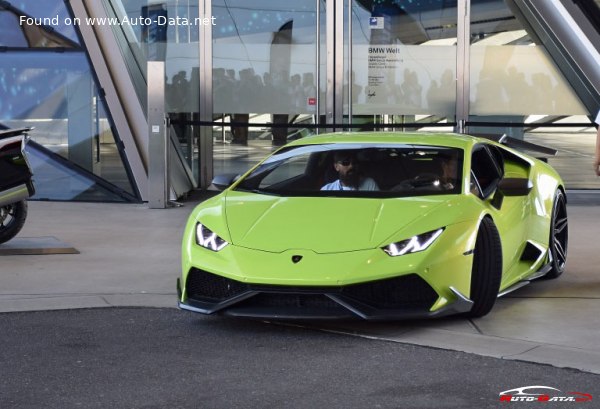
(597, 154)
(349, 177)
(449, 178)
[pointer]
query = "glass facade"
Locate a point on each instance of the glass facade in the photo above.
(244, 77)
(15, 32)
(175, 44)
(402, 65)
(516, 88)
(511, 75)
(46, 82)
(264, 72)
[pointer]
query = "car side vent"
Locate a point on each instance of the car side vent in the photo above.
(531, 253)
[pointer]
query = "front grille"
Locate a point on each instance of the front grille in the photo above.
(204, 286)
(291, 301)
(409, 292)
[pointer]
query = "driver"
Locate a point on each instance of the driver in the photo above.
(349, 177)
(449, 177)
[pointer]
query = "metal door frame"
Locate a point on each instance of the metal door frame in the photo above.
(335, 64)
(205, 145)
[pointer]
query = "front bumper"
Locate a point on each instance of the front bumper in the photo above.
(403, 297)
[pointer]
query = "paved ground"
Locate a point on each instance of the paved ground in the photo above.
(129, 256)
(164, 358)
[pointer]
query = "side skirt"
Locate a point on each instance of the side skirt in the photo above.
(545, 269)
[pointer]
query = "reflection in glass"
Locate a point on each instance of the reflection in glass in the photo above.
(264, 71)
(60, 31)
(404, 60)
(264, 57)
(177, 45)
(516, 89)
(511, 75)
(56, 179)
(56, 94)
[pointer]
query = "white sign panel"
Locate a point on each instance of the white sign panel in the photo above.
(376, 23)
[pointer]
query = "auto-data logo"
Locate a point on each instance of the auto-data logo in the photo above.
(542, 394)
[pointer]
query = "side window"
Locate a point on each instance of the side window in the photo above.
(292, 168)
(486, 170)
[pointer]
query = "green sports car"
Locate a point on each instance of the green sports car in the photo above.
(375, 225)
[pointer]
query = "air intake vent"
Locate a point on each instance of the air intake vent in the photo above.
(204, 286)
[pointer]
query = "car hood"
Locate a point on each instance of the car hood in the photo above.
(323, 224)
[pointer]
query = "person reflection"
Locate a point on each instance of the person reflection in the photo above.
(411, 89)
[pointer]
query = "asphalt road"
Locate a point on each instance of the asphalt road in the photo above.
(165, 358)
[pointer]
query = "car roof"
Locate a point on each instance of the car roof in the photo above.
(453, 140)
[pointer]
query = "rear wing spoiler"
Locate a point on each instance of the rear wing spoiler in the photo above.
(7, 133)
(520, 145)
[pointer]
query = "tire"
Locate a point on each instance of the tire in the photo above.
(12, 219)
(559, 236)
(487, 269)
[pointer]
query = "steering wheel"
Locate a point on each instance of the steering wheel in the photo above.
(422, 180)
(426, 178)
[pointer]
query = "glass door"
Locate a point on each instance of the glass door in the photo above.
(265, 73)
(402, 64)
(285, 70)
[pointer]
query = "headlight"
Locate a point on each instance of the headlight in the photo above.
(207, 239)
(412, 245)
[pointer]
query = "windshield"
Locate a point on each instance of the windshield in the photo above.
(358, 170)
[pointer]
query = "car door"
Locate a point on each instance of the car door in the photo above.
(510, 214)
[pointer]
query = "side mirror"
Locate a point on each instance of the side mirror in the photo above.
(511, 187)
(222, 182)
(515, 186)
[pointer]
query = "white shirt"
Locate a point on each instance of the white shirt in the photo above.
(365, 184)
(598, 118)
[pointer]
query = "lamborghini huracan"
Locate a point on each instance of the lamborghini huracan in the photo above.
(378, 226)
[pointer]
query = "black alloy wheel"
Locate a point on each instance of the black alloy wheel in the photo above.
(12, 219)
(559, 235)
(487, 269)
